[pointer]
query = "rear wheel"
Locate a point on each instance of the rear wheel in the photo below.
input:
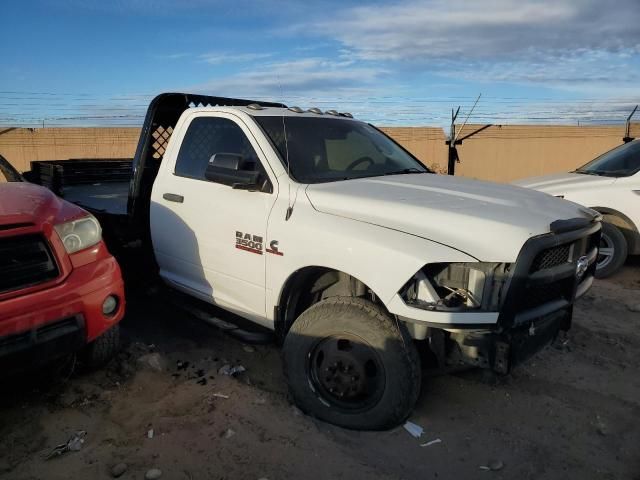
(613, 251)
(349, 363)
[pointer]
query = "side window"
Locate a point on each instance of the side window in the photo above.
(207, 136)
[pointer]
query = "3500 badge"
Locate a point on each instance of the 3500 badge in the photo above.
(248, 242)
(254, 244)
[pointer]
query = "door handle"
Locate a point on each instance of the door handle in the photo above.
(172, 197)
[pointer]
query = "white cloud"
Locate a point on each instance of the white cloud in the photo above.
(172, 56)
(579, 71)
(552, 42)
(415, 30)
(218, 58)
(311, 76)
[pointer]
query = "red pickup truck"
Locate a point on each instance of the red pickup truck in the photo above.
(61, 291)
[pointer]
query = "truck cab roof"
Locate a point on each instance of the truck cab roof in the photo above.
(275, 112)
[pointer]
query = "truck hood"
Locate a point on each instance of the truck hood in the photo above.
(488, 221)
(561, 183)
(22, 202)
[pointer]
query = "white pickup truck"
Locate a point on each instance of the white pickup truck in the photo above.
(323, 229)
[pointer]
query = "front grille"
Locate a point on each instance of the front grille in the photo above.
(25, 260)
(541, 294)
(551, 257)
(545, 279)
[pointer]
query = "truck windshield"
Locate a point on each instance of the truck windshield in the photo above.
(330, 149)
(622, 161)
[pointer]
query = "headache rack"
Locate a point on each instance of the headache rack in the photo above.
(161, 118)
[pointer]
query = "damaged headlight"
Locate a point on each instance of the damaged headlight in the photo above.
(458, 286)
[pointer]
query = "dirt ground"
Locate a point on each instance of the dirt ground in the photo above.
(573, 411)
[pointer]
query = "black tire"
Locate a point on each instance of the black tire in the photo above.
(612, 238)
(333, 341)
(98, 353)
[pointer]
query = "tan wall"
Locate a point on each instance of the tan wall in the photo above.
(500, 153)
(505, 153)
(21, 145)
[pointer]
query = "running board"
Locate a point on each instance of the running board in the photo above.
(246, 336)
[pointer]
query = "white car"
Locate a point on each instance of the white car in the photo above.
(609, 184)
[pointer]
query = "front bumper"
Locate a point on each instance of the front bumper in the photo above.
(500, 351)
(62, 318)
(551, 272)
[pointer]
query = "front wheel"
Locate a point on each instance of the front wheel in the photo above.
(613, 251)
(102, 349)
(349, 363)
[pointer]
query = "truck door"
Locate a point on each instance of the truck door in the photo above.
(208, 237)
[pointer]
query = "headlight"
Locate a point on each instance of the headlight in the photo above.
(79, 234)
(458, 286)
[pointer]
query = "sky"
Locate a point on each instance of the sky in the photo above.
(407, 62)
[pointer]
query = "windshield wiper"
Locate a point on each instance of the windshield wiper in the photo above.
(406, 170)
(600, 173)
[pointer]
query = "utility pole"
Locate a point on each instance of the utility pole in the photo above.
(454, 141)
(627, 128)
(453, 152)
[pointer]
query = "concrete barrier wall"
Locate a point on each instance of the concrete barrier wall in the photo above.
(500, 153)
(22, 145)
(508, 153)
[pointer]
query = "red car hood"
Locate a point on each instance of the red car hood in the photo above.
(22, 202)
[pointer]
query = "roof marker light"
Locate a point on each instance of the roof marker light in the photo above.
(255, 106)
(315, 110)
(346, 114)
(296, 109)
(332, 112)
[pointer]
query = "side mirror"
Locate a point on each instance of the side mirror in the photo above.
(233, 170)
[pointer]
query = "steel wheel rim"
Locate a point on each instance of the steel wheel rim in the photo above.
(605, 252)
(346, 372)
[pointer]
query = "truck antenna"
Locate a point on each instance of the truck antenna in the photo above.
(627, 127)
(286, 148)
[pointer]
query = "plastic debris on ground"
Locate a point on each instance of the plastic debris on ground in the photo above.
(231, 371)
(150, 433)
(74, 444)
(220, 395)
(153, 474)
(432, 442)
(493, 466)
(228, 433)
(415, 430)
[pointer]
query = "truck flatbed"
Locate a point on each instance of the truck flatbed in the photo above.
(110, 198)
(100, 186)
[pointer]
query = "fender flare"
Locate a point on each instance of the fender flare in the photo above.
(629, 229)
